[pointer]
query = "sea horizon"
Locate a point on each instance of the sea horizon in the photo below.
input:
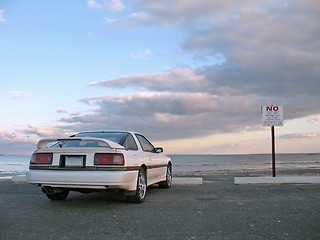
(203, 164)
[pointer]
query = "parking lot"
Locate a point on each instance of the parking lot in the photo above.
(217, 209)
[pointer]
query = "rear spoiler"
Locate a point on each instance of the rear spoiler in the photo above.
(42, 144)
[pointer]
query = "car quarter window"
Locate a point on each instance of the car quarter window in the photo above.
(145, 144)
(130, 143)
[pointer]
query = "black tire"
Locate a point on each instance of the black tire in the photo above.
(141, 190)
(168, 182)
(58, 196)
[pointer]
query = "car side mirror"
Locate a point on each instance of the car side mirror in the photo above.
(159, 150)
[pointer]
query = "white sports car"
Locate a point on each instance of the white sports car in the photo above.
(99, 160)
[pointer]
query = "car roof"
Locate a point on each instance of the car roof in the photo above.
(109, 131)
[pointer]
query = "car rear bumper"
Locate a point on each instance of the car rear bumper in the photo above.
(126, 180)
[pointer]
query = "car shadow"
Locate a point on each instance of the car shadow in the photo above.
(99, 199)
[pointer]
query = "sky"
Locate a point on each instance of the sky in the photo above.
(189, 75)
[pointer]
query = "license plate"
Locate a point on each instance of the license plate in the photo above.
(74, 161)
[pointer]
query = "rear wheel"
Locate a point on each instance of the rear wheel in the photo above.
(141, 190)
(56, 193)
(168, 182)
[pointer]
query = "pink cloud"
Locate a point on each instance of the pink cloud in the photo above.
(315, 120)
(43, 131)
(62, 111)
(299, 135)
(7, 134)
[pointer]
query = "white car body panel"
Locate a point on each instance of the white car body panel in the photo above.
(126, 180)
(91, 176)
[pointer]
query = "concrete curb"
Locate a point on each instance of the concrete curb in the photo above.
(278, 180)
(187, 181)
(19, 179)
(6, 178)
(175, 180)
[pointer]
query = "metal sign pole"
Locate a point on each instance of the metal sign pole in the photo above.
(273, 152)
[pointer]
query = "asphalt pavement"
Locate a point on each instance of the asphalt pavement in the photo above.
(217, 209)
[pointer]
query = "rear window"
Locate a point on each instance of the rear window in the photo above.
(79, 143)
(124, 139)
(117, 137)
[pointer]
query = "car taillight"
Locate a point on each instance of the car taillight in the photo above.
(41, 158)
(108, 159)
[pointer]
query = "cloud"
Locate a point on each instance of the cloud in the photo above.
(62, 111)
(142, 55)
(7, 134)
(270, 55)
(260, 58)
(185, 80)
(189, 104)
(75, 113)
(299, 135)
(139, 16)
(173, 79)
(238, 147)
(1, 15)
(12, 143)
(111, 20)
(42, 131)
(23, 141)
(315, 120)
(167, 115)
(19, 94)
(113, 5)
(172, 12)
(17, 147)
(269, 48)
(134, 19)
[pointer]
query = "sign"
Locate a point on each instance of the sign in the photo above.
(272, 115)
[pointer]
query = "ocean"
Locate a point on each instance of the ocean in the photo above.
(201, 164)
(246, 163)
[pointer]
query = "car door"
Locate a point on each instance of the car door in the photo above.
(153, 160)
